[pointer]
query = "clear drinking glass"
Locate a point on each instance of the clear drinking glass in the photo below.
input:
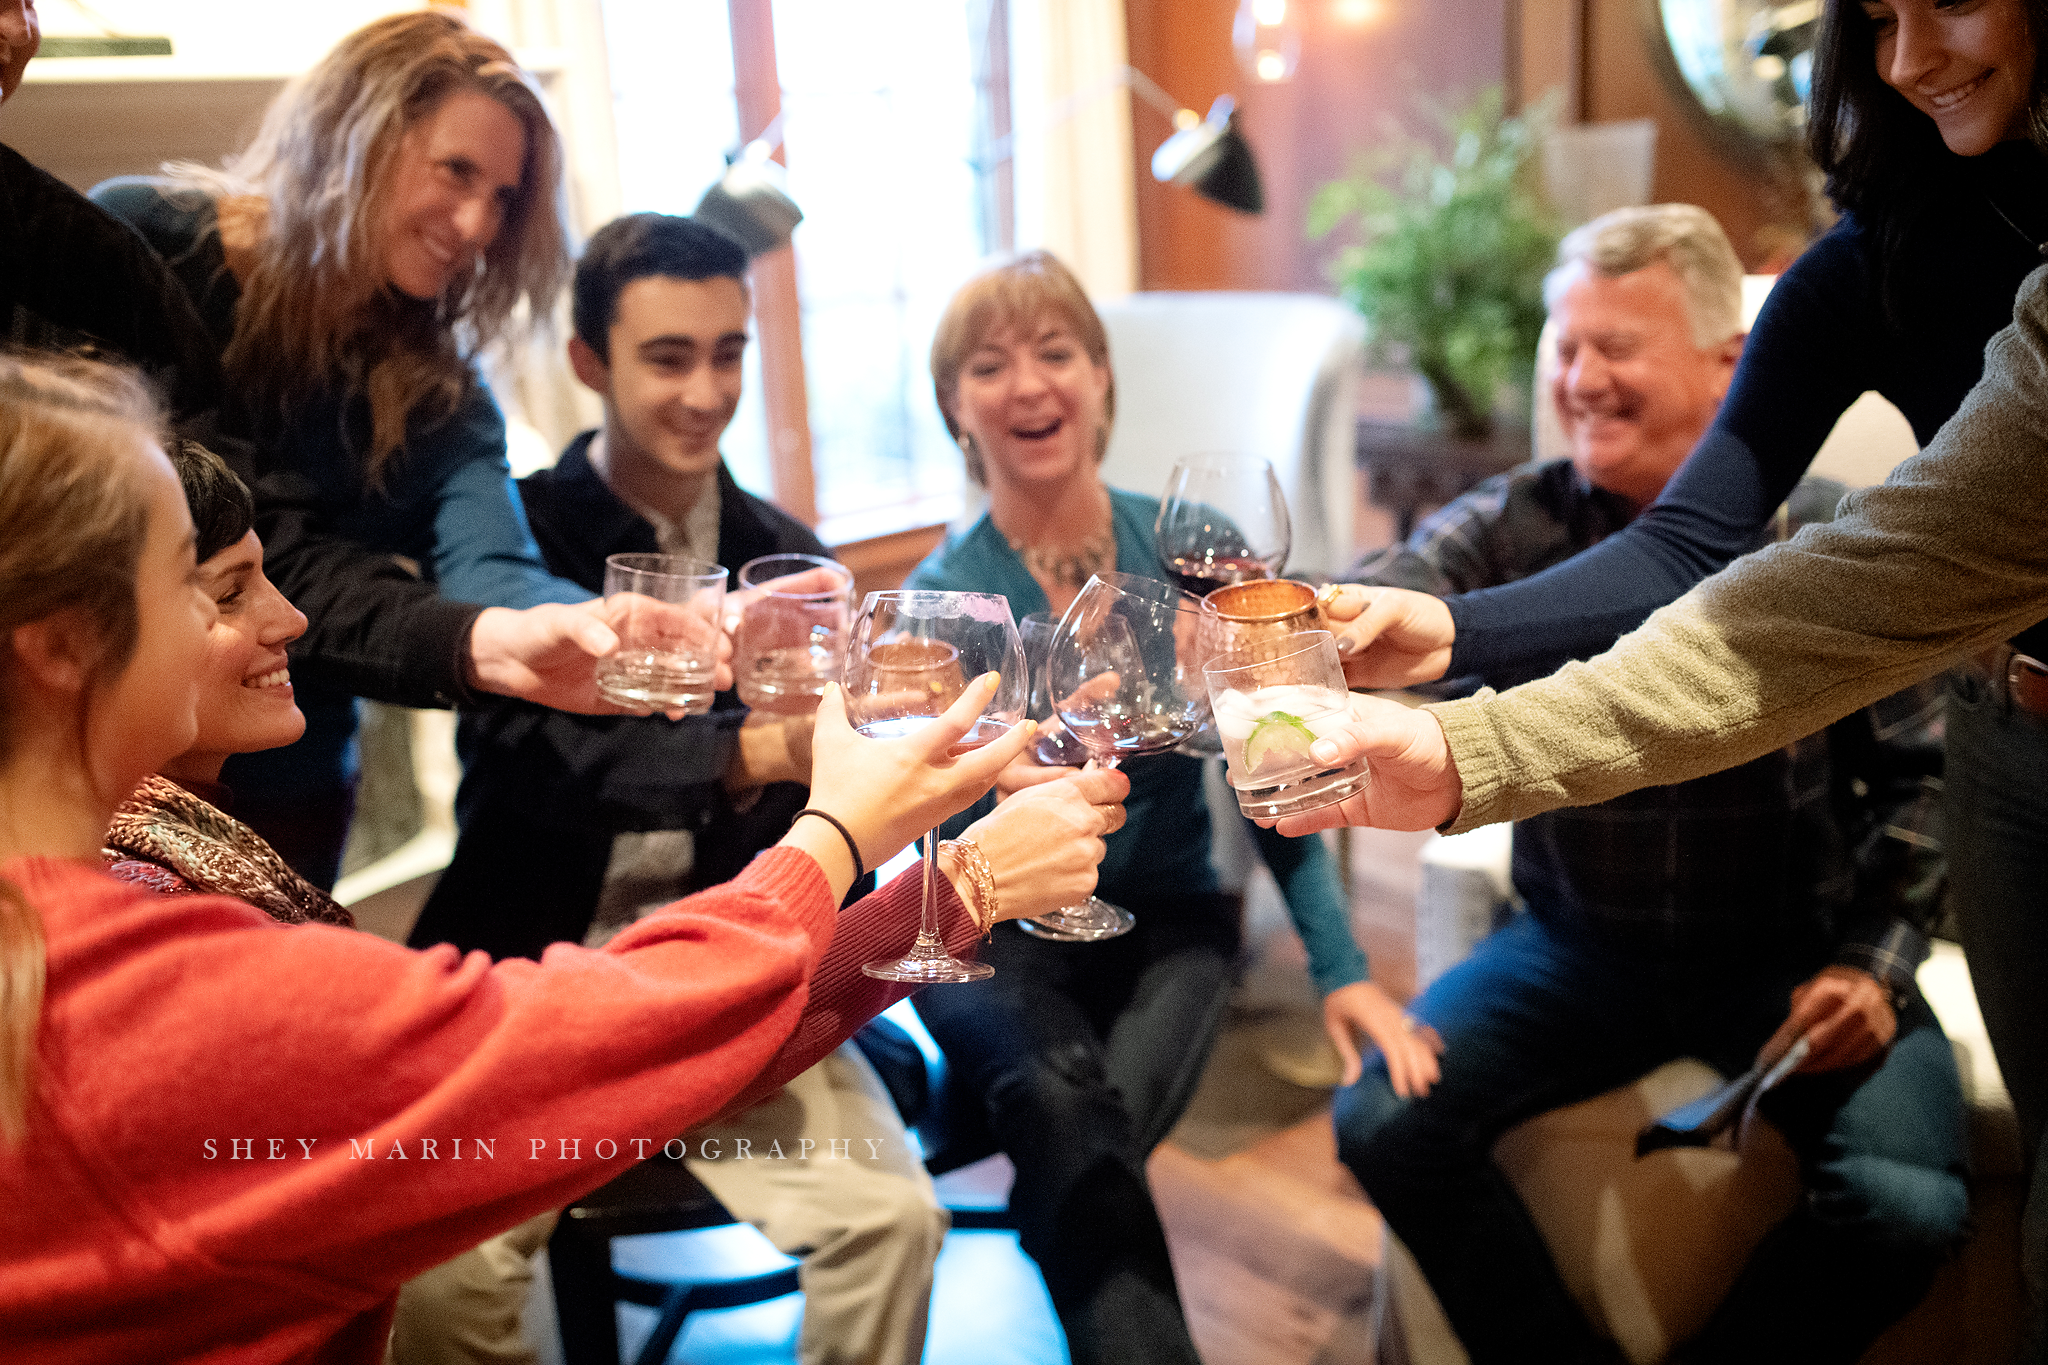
(668, 633)
(909, 657)
(1124, 675)
(1222, 520)
(1056, 747)
(791, 639)
(1272, 701)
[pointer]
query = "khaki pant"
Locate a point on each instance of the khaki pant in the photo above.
(855, 1206)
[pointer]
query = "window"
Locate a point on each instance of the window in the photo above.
(672, 96)
(884, 109)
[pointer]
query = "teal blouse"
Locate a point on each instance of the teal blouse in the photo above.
(1163, 849)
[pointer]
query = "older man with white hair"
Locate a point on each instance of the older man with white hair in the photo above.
(1725, 918)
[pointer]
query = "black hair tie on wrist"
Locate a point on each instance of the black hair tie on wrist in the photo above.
(860, 869)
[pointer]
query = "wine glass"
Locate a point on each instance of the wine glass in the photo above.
(1221, 521)
(909, 656)
(1125, 675)
(1056, 747)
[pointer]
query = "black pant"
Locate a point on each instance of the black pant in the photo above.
(1084, 1056)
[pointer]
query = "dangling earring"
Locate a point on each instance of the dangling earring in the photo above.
(969, 452)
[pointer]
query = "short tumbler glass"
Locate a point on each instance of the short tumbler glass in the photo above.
(668, 632)
(1271, 701)
(791, 639)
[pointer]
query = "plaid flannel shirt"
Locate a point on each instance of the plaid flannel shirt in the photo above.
(1829, 838)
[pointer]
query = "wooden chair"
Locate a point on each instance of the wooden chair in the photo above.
(661, 1195)
(657, 1195)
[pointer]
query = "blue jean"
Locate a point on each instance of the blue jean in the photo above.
(1084, 1056)
(1995, 834)
(1540, 1017)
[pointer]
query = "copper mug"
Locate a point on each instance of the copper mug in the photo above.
(1251, 615)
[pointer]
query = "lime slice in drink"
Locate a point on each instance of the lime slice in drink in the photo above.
(1278, 742)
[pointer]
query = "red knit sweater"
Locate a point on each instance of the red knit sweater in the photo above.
(245, 1136)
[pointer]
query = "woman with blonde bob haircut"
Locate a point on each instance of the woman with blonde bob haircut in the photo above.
(1035, 285)
(1081, 1056)
(225, 1135)
(398, 213)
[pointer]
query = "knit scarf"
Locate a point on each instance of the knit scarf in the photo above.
(213, 853)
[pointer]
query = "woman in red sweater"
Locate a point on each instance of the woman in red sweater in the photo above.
(221, 1136)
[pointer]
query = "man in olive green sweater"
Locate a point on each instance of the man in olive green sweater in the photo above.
(1948, 557)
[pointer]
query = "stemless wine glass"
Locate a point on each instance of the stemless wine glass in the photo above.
(1222, 520)
(1056, 747)
(909, 656)
(668, 632)
(1125, 675)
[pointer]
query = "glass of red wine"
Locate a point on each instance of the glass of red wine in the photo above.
(1221, 521)
(1056, 747)
(1125, 677)
(909, 657)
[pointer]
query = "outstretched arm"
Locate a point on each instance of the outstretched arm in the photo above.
(1947, 555)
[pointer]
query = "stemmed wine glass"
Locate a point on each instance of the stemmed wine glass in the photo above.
(1125, 676)
(1056, 747)
(909, 656)
(1221, 521)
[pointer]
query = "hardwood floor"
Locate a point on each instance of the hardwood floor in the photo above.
(1274, 1244)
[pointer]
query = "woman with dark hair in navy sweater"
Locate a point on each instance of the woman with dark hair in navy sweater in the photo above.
(1928, 118)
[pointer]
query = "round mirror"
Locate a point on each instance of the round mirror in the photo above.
(1749, 63)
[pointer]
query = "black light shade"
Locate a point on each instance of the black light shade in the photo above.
(750, 204)
(1213, 159)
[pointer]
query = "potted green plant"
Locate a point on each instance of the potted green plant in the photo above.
(1454, 238)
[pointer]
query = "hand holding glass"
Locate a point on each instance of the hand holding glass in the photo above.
(668, 631)
(1124, 677)
(909, 656)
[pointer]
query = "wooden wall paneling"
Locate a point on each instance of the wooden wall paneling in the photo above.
(777, 308)
(1546, 42)
(1361, 61)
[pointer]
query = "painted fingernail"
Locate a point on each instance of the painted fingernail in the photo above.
(1346, 645)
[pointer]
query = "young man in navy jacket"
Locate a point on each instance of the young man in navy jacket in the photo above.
(572, 824)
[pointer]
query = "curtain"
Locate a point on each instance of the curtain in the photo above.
(1072, 116)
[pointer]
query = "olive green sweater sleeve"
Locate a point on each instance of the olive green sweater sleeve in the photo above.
(1948, 555)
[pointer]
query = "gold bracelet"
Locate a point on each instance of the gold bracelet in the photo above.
(981, 878)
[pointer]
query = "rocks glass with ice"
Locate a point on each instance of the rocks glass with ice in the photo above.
(1271, 701)
(791, 637)
(668, 627)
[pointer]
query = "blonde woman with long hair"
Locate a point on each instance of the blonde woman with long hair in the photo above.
(397, 214)
(225, 1136)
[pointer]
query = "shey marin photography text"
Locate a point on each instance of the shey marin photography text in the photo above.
(542, 1149)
